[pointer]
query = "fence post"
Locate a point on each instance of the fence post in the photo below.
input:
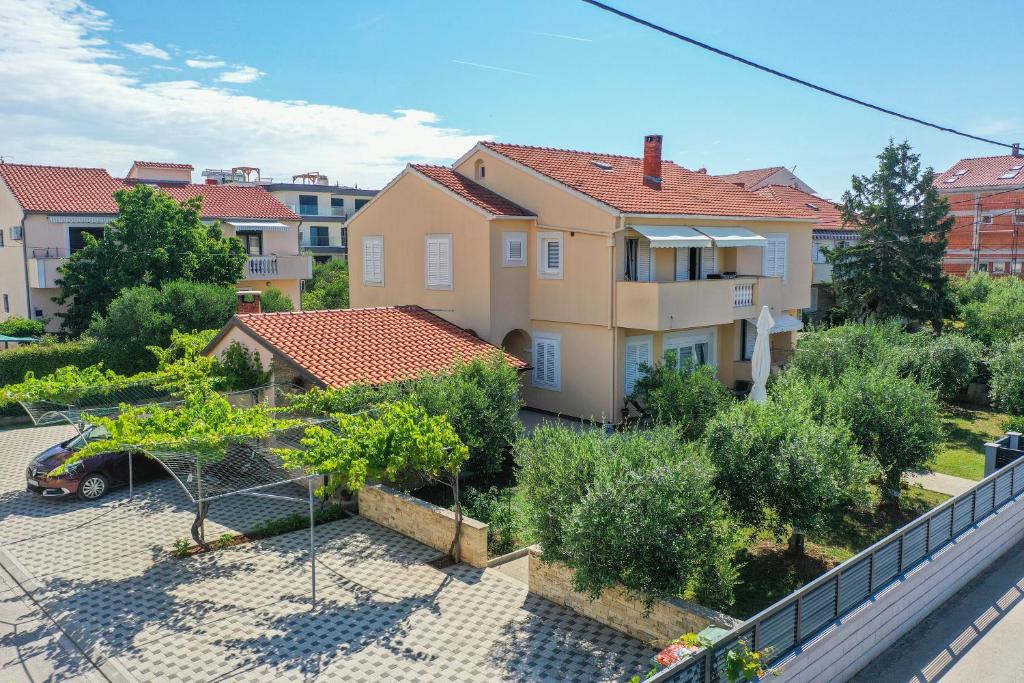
(991, 453)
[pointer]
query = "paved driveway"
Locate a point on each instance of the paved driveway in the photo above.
(103, 574)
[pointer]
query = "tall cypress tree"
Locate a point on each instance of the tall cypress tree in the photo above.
(895, 269)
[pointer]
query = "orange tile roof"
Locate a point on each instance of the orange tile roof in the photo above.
(471, 191)
(982, 172)
(373, 345)
(61, 189)
(163, 164)
(749, 178)
(621, 187)
(809, 205)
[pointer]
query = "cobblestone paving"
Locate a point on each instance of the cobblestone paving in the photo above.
(103, 572)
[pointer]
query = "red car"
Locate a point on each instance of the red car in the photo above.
(91, 478)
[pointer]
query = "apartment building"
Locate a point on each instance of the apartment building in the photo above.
(986, 197)
(322, 207)
(45, 211)
(587, 265)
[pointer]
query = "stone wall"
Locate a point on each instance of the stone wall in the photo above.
(860, 637)
(429, 524)
(666, 621)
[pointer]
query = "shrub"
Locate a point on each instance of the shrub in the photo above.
(830, 352)
(273, 300)
(687, 398)
(501, 510)
(993, 312)
(328, 288)
(1007, 384)
(633, 509)
(778, 467)
(947, 363)
(350, 399)
(17, 326)
(47, 356)
(894, 420)
(198, 305)
(241, 368)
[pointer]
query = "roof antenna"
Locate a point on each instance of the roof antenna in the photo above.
(4, 158)
(1016, 150)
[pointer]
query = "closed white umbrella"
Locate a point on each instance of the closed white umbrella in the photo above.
(761, 361)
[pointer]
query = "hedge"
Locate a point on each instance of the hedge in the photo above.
(47, 356)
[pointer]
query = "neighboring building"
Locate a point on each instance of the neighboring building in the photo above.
(829, 232)
(756, 178)
(986, 197)
(46, 210)
(371, 345)
(323, 207)
(586, 265)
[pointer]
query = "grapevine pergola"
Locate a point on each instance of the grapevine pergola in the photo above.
(205, 470)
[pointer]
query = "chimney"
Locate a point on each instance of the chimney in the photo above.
(652, 161)
(1016, 150)
(249, 301)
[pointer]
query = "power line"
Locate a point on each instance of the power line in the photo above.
(761, 67)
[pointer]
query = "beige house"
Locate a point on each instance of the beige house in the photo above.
(322, 207)
(45, 211)
(586, 265)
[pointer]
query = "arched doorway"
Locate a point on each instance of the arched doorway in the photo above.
(519, 344)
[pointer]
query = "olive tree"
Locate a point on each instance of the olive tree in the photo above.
(686, 398)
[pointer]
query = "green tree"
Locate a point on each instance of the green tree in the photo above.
(894, 420)
(153, 240)
(779, 468)
(686, 398)
(1007, 383)
(328, 288)
(895, 269)
(18, 326)
(273, 300)
(992, 309)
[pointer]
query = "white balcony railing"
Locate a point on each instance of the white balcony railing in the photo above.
(743, 294)
(263, 266)
(284, 267)
(313, 211)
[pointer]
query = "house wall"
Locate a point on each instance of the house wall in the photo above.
(157, 174)
(999, 243)
(413, 209)
(237, 334)
(586, 375)
(12, 258)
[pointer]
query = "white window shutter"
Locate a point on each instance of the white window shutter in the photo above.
(373, 259)
(682, 264)
(775, 256)
(547, 363)
(638, 354)
(514, 248)
(643, 261)
(553, 255)
(708, 261)
(750, 335)
(439, 261)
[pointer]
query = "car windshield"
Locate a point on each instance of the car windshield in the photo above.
(93, 433)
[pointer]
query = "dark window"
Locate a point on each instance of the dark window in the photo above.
(319, 237)
(344, 239)
(308, 205)
(360, 203)
(338, 201)
(77, 236)
(252, 241)
(7, 304)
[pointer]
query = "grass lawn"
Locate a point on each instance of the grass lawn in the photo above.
(962, 454)
(769, 573)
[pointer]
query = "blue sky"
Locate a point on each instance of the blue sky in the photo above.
(564, 74)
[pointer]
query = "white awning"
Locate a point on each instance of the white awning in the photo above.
(672, 238)
(261, 226)
(734, 237)
(89, 220)
(783, 323)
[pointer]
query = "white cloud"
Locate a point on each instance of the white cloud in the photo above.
(204, 63)
(241, 74)
(148, 50)
(67, 100)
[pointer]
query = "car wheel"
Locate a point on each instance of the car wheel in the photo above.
(92, 486)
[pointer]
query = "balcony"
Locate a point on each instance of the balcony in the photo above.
(698, 303)
(821, 272)
(310, 211)
(43, 266)
(273, 267)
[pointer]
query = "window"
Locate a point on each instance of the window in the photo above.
(373, 260)
(337, 206)
(319, 236)
(547, 361)
(549, 256)
(308, 205)
(252, 241)
(817, 256)
(1, 237)
(480, 171)
(1018, 219)
(749, 335)
(639, 352)
(513, 249)
(999, 267)
(76, 237)
(7, 303)
(360, 203)
(638, 260)
(986, 218)
(682, 350)
(439, 261)
(775, 256)
(695, 263)
(982, 267)
(344, 239)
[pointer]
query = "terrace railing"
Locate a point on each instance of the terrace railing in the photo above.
(798, 618)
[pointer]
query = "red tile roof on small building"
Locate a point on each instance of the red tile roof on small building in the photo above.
(621, 185)
(61, 189)
(983, 172)
(371, 345)
(471, 191)
(751, 177)
(826, 213)
(163, 164)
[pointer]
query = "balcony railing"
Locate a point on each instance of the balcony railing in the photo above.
(743, 294)
(284, 267)
(49, 252)
(310, 210)
(263, 266)
(693, 303)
